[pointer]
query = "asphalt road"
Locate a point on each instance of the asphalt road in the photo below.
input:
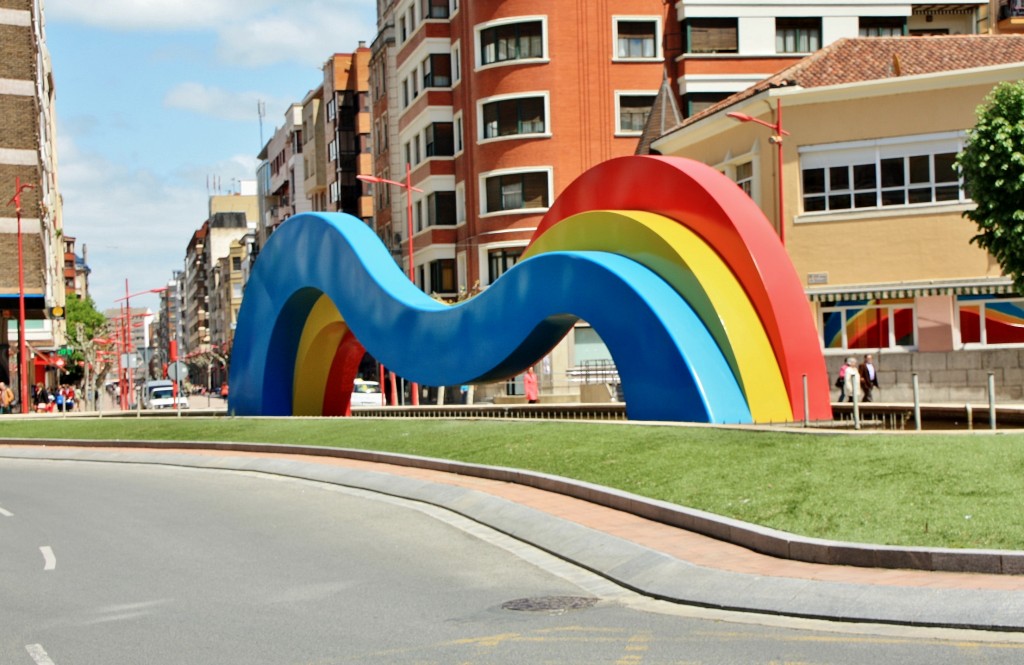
(102, 564)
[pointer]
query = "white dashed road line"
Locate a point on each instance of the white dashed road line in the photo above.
(49, 560)
(38, 654)
(4, 513)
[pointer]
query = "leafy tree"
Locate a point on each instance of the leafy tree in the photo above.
(992, 164)
(84, 323)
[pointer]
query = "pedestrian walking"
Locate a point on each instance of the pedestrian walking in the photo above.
(6, 398)
(530, 386)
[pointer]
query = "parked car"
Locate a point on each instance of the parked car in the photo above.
(160, 395)
(366, 393)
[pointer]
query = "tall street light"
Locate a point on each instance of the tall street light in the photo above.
(409, 189)
(776, 138)
(128, 328)
(22, 352)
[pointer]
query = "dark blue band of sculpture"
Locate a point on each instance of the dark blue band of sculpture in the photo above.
(670, 367)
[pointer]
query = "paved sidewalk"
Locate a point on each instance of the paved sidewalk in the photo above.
(646, 556)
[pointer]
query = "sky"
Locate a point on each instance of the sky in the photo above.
(156, 98)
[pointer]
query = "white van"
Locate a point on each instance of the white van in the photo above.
(160, 395)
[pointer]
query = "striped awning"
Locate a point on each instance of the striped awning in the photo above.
(951, 8)
(997, 286)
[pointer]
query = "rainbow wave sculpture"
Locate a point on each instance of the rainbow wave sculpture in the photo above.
(676, 269)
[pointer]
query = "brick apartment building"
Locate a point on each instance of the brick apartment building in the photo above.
(28, 155)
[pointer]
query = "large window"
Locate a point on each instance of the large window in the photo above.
(442, 276)
(523, 115)
(882, 26)
(501, 260)
(435, 9)
(797, 35)
(440, 140)
(868, 324)
(437, 71)
(441, 209)
(517, 191)
(636, 39)
(695, 102)
(514, 41)
(711, 35)
(633, 112)
(880, 174)
(991, 321)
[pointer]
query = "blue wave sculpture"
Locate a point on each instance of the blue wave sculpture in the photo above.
(669, 365)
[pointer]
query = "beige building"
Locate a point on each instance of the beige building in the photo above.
(873, 208)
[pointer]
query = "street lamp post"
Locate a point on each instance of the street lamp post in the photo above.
(409, 189)
(776, 138)
(22, 352)
(127, 339)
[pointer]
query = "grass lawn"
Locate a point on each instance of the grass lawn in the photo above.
(940, 490)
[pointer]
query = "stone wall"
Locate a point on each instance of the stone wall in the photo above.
(956, 377)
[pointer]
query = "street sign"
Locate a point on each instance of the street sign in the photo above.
(177, 371)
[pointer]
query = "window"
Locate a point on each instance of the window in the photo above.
(711, 35)
(633, 112)
(637, 39)
(442, 276)
(882, 26)
(695, 102)
(458, 134)
(437, 71)
(515, 41)
(332, 109)
(405, 93)
(868, 324)
(524, 115)
(435, 9)
(439, 140)
(403, 29)
(745, 177)
(990, 321)
(893, 181)
(441, 209)
(517, 191)
(456, 63)
(797, 35)
(879, 174)
(501, 260)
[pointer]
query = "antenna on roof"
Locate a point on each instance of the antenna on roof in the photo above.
(261, 111)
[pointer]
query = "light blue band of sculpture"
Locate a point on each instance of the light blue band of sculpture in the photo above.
(669, 365)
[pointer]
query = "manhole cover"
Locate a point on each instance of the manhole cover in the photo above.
(549, 604)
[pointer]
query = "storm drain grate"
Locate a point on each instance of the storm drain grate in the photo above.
(549, 604)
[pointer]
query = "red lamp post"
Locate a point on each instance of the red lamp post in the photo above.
(409, 189)
(22, 351)
(776, 138)
(127, 334)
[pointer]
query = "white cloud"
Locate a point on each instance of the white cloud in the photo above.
(153, 14)
(308, 37)
(135, 225)
(250, 33)
(217, 102)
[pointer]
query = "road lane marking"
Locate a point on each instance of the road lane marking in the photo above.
(38, 654)
(49, 560)
(5, 513)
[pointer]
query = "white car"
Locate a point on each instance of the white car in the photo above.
(367, 393)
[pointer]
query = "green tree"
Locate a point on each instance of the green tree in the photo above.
(84, 323)
(992, 165)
